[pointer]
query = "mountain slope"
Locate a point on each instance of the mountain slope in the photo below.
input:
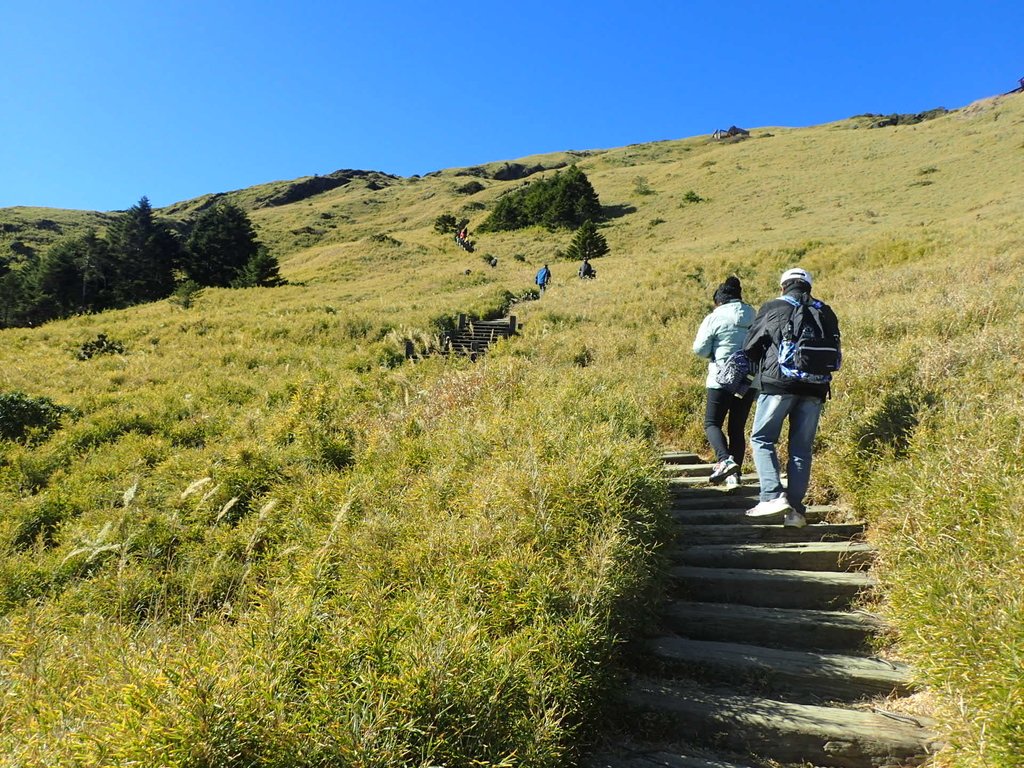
(260, 536)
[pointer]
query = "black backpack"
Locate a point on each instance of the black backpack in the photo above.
(809, 349)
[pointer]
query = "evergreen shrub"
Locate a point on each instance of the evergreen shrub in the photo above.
(23, 417)
(565, 200)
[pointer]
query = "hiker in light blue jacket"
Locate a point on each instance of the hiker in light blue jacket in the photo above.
(721, 333)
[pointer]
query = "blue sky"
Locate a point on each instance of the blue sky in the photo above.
(106, 102)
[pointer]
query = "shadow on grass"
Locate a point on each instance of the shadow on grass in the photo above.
(617, 211)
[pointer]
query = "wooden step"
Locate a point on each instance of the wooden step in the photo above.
(783, 731)
(654, 758)
(752, 534)
(796, 675)
(806, 556)
(795, 628)
(689, 470)
(735, 515)
(680, 457)
(684, 482)
(770, 588)
(744, 496)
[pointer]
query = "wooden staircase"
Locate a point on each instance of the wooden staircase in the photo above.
(474, 337)
(762, 657)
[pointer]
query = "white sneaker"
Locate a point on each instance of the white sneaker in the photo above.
(771, 507)
(794, 520)
(732, 481)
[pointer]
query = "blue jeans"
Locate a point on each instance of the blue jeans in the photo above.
(772, 411)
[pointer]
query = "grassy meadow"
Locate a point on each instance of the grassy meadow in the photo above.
(259, 537)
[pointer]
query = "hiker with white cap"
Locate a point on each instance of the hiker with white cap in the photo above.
(794, 346)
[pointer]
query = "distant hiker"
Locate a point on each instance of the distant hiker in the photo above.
(794, 342)
(543, 278)
(722, 333)
(587, 272)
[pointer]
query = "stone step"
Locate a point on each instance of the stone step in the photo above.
(805, 556)
(752, 534)
(795, 675)
(790, 733)
(820, 590)
(710, 515)
(680, 457)
(794, 628)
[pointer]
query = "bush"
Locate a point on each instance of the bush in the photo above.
(470, 188)
(186, 294)
(564, 200)
(641, 187)
(445, 224)
(23, 417)
(101, 345)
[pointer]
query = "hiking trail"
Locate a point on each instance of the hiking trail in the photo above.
(763, 655)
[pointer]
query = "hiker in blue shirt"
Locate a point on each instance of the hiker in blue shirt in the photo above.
(721, 333)
(543, 277)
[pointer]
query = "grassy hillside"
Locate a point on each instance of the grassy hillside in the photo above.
(262, 538)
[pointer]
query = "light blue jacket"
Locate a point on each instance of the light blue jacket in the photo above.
(721, 333)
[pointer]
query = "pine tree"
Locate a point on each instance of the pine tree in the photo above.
(145, 252)
(261, 270)
(573, 201)
(222, 243)
(74, 275)
(587, 243)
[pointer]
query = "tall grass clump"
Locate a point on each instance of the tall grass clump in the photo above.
(445, 589)
(924, 440)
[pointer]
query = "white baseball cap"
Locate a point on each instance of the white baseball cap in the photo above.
(795, 274)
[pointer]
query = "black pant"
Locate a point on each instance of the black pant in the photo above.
(722, 403)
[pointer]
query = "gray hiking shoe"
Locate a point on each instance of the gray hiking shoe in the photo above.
(723, 469)
(794, 519)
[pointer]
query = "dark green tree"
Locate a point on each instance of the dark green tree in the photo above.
(220, 246)
(11, 294)
(97, 271)
(587, 243)
(145, 252)
(445, 224)
(566, 199)
(56, 283)
(74, 275)
(572, 201)
(261, 270)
